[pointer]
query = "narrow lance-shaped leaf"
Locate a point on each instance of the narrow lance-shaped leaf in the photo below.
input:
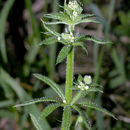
(66, 118)
(37, 100)
(52, 84)
(97, 107)
(49, 109)
(83, 16)
(63, 53)
(81, 45)
(59, 16)
(50, 30)
(49, 41)
(76, 97)
(35, 122)
(94, 89)
(87, 20)
(57, 22)
(84, 117)
(90, 38)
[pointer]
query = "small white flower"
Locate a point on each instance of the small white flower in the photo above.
(87, 79)
(64, 101)
(86, 87)
(75, 14)
(58, 38)
(79, 86)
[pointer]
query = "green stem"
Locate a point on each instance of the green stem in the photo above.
(69, 76)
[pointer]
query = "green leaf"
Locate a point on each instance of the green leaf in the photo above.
(63, 53)
(52, 84)
(80, 78)
(50, 30)
(84, 117)
(97, 107)
(49, 109)
(35, 122)
(66, 118)
(3, 18)
(49, 41)
(76, 97)
(67, 9)
(87, 20)
(63, 17)
(81, 45)
(95, 85)
(90, 38)
(37, 100)
(94, 89)
(57, 22)
(83, 16)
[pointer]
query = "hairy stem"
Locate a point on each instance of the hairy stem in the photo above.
(69, 76)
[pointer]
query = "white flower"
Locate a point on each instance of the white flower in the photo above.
(87, 79)
(73, 5)
(79, 86)
(75, 14)
(86, 87)
(58, 38)
(64, 101)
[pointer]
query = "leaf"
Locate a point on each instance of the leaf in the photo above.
(80, 78)
(57, 22)
(82, 16)
(66, 118)
(59, 16)
(49, 109)
(95, 85)
(52, 84)
(76, 97)
(97, 107)
(49, 41)
(35, 122)
(81, 45)
(87, 20)
(37, 100)
(63, 53)
(84, 116)
(3, 18)
(90, 38)
(50, 30)
(94, 89)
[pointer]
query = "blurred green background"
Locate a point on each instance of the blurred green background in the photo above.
(20, 56)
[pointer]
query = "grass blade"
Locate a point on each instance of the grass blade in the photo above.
(35, 122)
(3, 17)
(22, 95)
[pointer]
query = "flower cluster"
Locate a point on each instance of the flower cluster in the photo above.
(67, 37)
(75, 7)
(86, 81)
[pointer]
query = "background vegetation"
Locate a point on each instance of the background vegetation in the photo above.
(20, 32)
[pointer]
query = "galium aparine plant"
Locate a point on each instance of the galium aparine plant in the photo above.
(70, 17)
